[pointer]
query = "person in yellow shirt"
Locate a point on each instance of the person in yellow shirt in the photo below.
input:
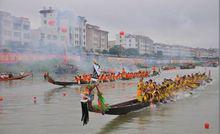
(140, 88)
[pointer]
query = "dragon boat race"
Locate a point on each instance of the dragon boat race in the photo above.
(109, 67)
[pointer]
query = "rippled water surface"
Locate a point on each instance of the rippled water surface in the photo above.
(57, 110)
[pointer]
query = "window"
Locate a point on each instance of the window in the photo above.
(54, 37)
(6, 23)
(7, 33)
(48, 36)
(26, 27)
(17, 26)
(42, 35)
(26, 35)
(17, 34)
(62, 38)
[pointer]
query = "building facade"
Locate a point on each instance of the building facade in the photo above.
(14, 31)
(126, 40)
(96, 39)
(62, 28)
(143, 44)
(173, 51)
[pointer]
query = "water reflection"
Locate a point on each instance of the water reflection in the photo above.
(48, 95)
(142, 117)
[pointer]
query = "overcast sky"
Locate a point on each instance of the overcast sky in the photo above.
(179, 22)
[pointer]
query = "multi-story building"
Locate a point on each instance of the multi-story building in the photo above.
(14, 30)
(142, 43)
(171, 51)
(145, 44)
(206, 53)
(96, 38)
(62, 28)
(126, 40)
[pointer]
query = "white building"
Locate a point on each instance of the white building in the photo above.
(62, 28)
(126, 40)
(166, 50)
(142, 43)
(14, 30)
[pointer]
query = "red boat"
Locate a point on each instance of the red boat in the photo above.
(16, 77)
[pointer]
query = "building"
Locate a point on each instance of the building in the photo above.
(62, 28)
(140, 42)
(96, 39)
(172, 51)
(145, 44)
(14, 31)
(126, 40)
(206, 53)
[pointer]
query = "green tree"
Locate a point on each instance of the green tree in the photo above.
(131, 51)
(117, 50)
(104, 51)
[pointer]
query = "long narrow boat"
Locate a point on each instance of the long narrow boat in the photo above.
(124, 107)
(66, 83)
(16, 77)
(129, 106)
(60, 83)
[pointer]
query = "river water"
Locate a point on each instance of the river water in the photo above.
(57, 110)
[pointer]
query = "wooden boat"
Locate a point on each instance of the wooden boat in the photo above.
(168, 67)
(187, 66)
(60, 83)
(16, 77)
(124, 107)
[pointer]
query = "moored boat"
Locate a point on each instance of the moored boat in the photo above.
(19, 77)
(168, 67)
(187, 66)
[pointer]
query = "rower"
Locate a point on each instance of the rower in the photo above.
(154, 69)
(140, 88)
(123, 73)
(177, 78)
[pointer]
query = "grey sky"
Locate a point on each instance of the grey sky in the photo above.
(183, 22)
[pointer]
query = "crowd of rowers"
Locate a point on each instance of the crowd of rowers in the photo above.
(151, 91)
(107, 77)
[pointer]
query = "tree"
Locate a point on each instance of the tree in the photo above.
(117, 50)
(131, 51)
(104, 51)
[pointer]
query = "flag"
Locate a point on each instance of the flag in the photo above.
(96, 71)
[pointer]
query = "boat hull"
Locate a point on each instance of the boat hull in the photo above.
(15, 78)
